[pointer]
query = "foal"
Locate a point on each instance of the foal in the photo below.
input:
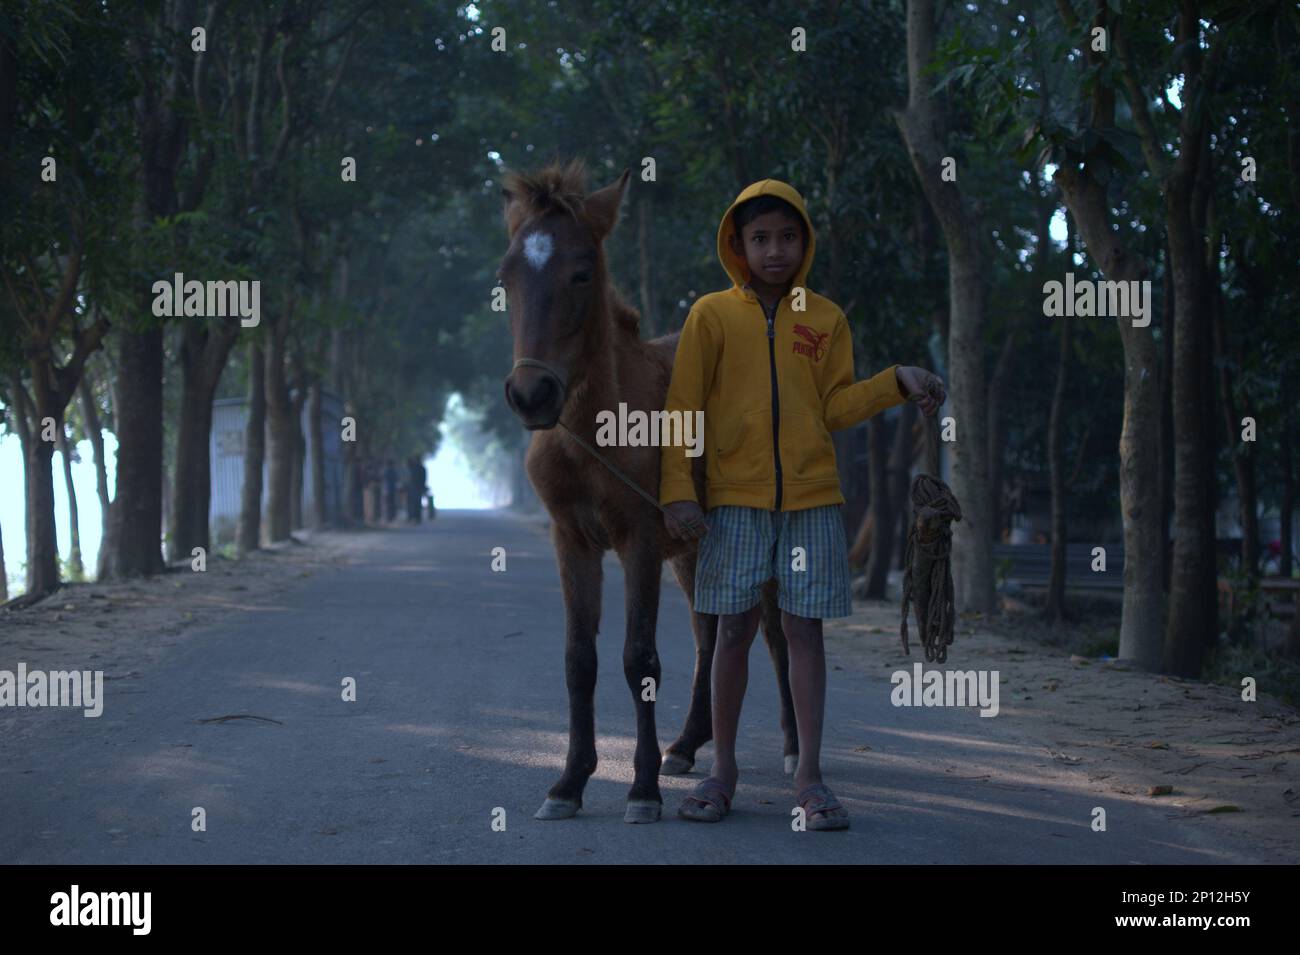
(577, 352)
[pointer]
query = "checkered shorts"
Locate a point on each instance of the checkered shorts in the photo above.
(747, 546)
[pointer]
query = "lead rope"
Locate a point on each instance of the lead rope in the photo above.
(693, 527)
(927, 573)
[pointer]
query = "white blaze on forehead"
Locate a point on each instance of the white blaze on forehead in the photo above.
(538, 248)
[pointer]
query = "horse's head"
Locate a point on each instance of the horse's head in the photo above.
(555, 281)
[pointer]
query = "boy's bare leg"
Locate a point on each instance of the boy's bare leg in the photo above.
(730, 677)
(808, 688)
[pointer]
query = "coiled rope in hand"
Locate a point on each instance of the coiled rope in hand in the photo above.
(927, 579)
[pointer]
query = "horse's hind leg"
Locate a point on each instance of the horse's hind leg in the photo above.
(680, 756)
(776, 647)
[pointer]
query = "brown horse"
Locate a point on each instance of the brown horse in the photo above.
(578, 351)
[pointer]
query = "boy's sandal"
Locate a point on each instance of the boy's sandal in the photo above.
(708, 802)
(822, 810)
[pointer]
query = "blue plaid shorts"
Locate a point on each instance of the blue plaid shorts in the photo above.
(747, 546)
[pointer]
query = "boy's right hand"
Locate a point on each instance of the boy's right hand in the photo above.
(685, 520)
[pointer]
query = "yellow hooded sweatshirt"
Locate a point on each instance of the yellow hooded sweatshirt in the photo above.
(771, 389)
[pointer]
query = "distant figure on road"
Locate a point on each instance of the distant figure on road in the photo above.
(390, 490)
(416, 479)
(373, 498)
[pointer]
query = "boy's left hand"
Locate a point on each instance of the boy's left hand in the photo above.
(921, 386)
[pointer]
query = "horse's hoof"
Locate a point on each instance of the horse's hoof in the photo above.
(674, 765)
(791, 764)
(642, 810)
(558, 809)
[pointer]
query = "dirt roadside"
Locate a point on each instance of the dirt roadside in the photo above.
(1100, 727)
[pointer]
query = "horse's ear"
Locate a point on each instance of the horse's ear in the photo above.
(602, 205)
(508, 199)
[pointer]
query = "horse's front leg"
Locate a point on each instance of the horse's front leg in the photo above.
(581, 578)
(642, 570)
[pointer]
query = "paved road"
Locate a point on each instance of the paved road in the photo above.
(461, 709)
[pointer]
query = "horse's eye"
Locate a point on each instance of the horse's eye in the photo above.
(581, 278)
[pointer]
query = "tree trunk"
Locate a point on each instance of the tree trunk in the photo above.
(203, 355)
(299, 457)
(136, 517)
(22, 423)
(1243, 452)
(1140, 640)
(972, 556)
(1288, 481)
(8, 102)
(860, 549)
(103, 564)
(192, 481)
(933, 452)
(279, 417)
(90, 418)
(901, 457)
(904, 449)
(42, 544)
(1185, 179)
(853, 482)
(1054, 609)
(353, 509)
(1166, 425)
(998, 432)
(921, 125)
(249, 534)
(76, 570)
(320, 511)
(4, 574)
(39, 420)
(1192, 621)
(882, 509)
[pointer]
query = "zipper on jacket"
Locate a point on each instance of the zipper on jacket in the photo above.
(776, 402)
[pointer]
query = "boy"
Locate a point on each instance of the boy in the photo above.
(770, 363)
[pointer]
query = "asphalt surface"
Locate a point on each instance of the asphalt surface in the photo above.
(461, 714)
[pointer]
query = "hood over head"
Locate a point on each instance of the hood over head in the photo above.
(736, 266)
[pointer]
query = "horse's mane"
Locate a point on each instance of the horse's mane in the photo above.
(556, 187)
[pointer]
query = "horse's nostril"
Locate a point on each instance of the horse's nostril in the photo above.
(538, 397)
